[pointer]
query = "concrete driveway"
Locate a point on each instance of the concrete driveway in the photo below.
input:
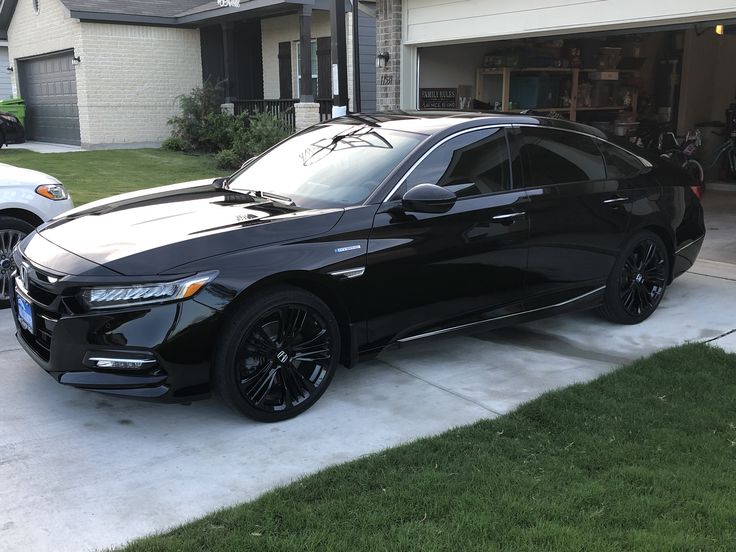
(82, 471)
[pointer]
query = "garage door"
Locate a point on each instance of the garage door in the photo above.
(48, 85)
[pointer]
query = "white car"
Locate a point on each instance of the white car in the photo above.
(27, 199)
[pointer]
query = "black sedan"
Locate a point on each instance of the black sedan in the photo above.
(347, 237)
(11, 130)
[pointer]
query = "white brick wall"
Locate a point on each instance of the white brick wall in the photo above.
(51, 30)
(129, 78)
(286, 28)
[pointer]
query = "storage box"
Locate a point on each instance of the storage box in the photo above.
(528, 92)
(603, 75)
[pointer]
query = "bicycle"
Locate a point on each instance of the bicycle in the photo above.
(725, 157)
(683, 153)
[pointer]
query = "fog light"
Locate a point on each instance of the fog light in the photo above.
(122, 363)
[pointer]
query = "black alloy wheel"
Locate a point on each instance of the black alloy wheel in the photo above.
(278, 355)
(12, 232)
(638, 280)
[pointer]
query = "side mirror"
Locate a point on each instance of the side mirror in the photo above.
(428, 198)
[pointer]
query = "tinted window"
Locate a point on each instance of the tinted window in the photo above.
(474, 163)
(559, 157)
(619, 163)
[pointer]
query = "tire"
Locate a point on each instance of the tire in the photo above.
(277, 354)
(637, 281)
(12, 231)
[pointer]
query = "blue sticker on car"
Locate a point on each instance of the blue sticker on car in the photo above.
(347, 248)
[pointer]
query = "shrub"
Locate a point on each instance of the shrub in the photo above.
(201, 126)
(227, 159)
(265, 130)
(173, 143)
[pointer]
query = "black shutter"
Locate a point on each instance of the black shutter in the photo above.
(285, 92)
(324, 68)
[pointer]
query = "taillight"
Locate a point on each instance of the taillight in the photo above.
(698, 191)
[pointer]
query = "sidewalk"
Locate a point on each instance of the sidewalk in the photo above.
(44, 147)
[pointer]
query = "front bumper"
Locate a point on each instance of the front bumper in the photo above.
(177, 336)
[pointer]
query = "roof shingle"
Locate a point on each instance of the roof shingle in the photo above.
(157, 8)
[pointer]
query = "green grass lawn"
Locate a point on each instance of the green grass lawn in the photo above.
(640, 459)
(91, 175)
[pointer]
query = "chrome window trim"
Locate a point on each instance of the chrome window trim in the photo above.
(411, 169)
(426, 154)
(593, 136)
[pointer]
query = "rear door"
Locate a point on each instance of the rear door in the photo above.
(431, 271)
(578, 217)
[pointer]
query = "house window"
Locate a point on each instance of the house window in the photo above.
(298, 68)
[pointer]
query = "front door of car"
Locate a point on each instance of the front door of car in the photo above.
(578, 217)
(429, 271)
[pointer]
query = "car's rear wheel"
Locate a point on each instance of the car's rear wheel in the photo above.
(12, 231)
(638, 280)
(277, 354)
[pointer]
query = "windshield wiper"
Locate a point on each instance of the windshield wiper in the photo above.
(270, 195)
(221, 184)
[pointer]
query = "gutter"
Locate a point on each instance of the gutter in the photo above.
(194, 19)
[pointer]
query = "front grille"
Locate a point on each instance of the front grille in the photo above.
(44, 324)
(49, 306)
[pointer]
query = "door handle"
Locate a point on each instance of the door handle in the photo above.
(508, 217)
(615, 200)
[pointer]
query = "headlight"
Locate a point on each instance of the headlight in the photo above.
(143, 294)
(54, 192)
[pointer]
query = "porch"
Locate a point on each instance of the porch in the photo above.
(272, 58)
(284, 109)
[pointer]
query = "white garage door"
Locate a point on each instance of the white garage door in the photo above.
(431, 21)
(48, 85)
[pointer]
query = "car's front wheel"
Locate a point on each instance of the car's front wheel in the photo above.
(277, 354)
(638, 280)
(12, 231)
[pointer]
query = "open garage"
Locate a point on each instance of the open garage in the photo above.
(635, 70)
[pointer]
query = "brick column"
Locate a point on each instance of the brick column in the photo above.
(388, 39)
(306, 115)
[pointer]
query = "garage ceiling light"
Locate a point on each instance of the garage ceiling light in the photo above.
(720, 30)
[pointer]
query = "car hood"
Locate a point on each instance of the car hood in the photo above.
(16, 176)
(159, 229)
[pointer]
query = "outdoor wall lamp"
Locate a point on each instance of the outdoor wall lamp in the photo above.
(382, 60)
(9, 69)
(76, 60)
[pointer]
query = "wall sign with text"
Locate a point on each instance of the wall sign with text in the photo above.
(437, 98)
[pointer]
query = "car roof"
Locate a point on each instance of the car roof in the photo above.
(431, 122)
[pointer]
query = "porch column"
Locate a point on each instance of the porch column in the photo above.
(228, 61)
(306, 94)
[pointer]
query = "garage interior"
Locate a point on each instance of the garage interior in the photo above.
(638, 83)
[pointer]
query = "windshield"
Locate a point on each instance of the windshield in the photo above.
(329, 166)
